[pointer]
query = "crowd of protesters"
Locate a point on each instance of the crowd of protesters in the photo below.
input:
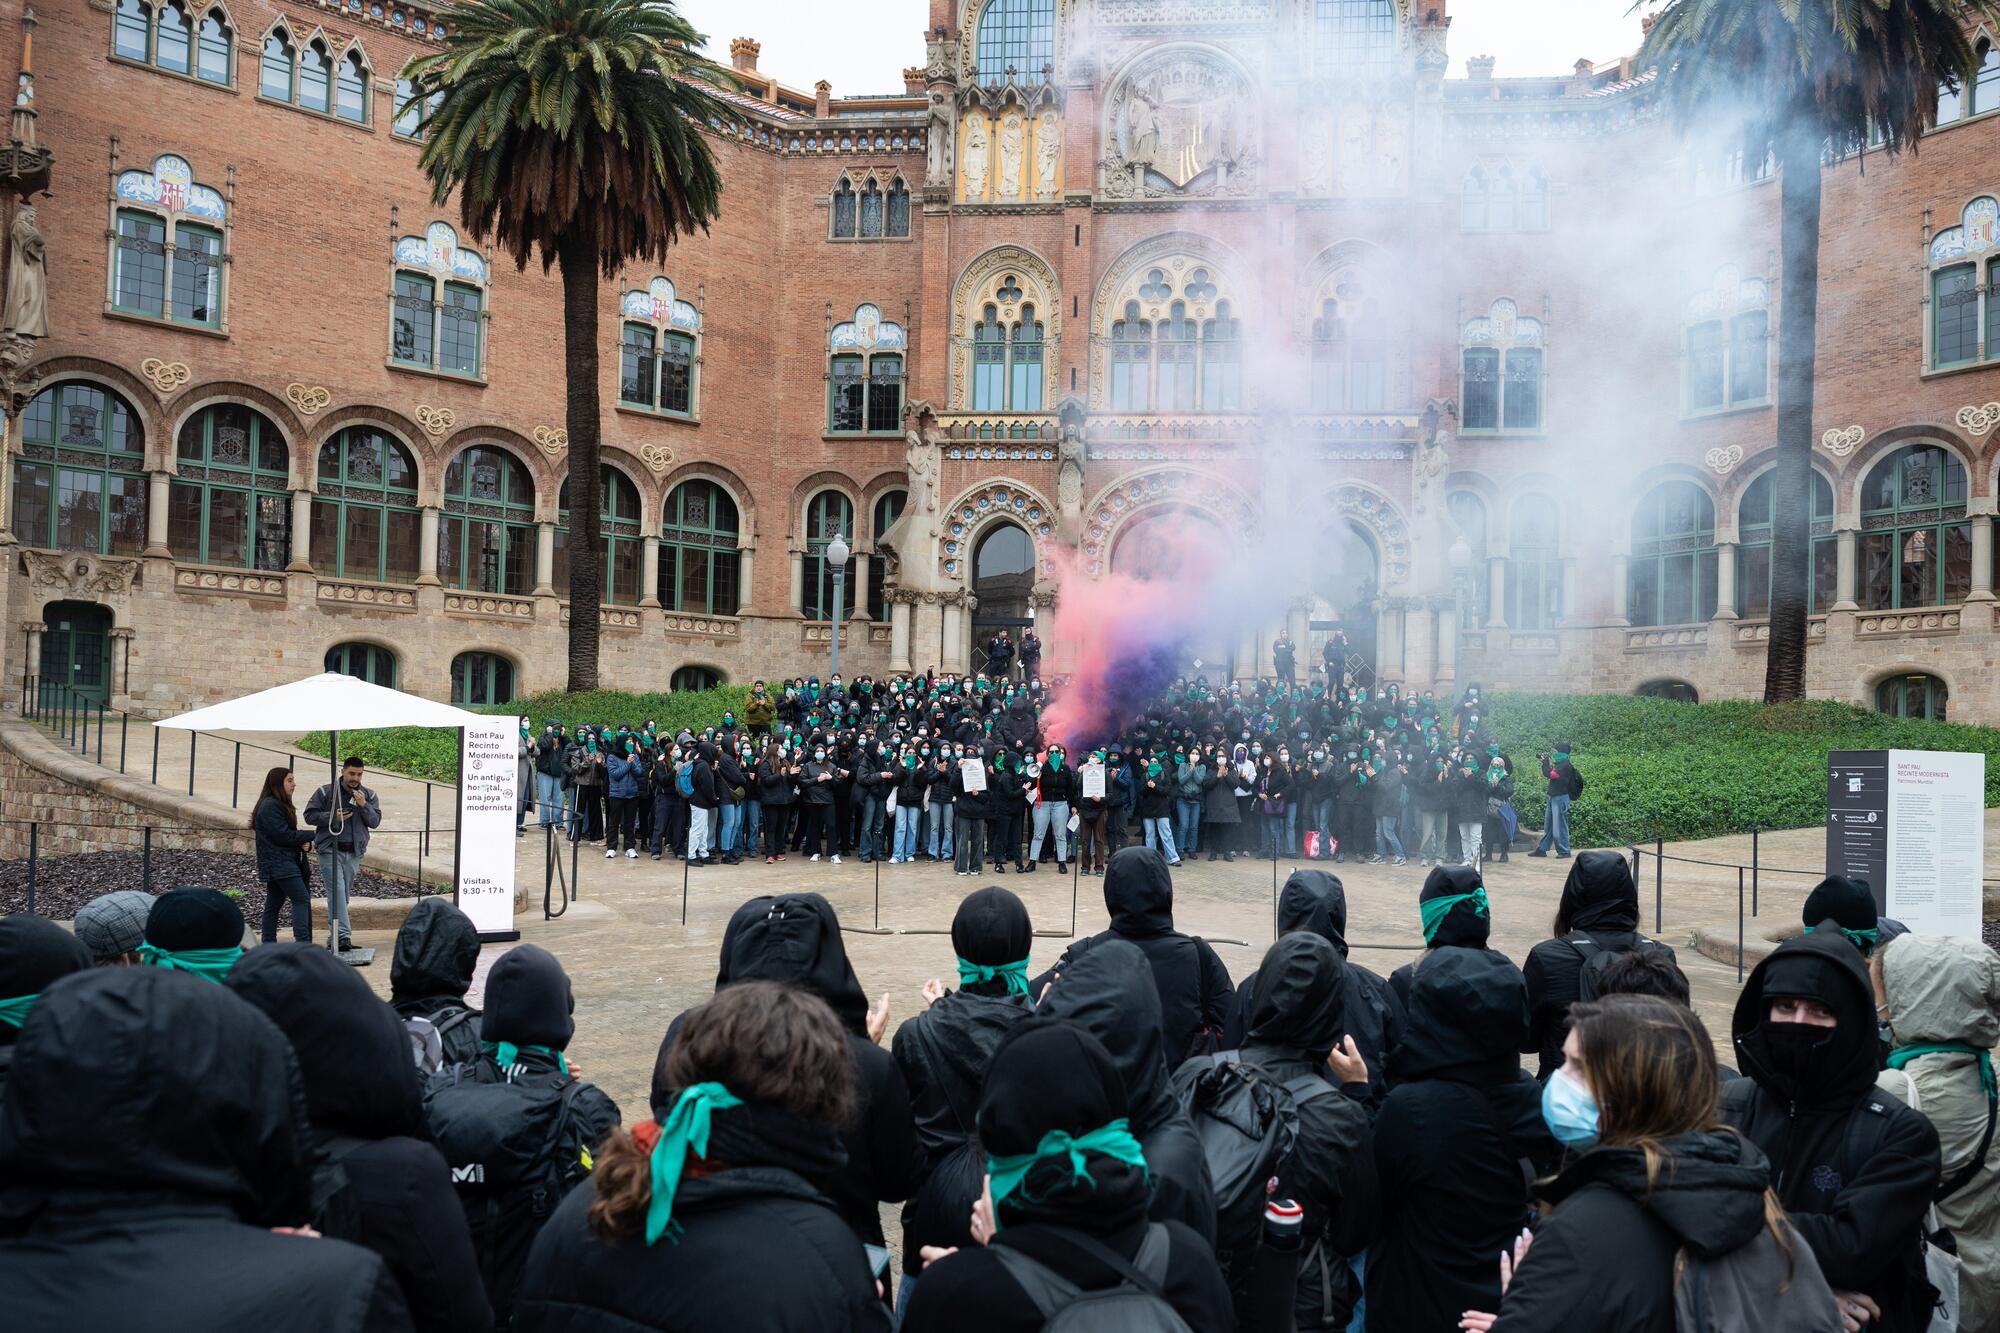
(196, 1137)
(959, 768)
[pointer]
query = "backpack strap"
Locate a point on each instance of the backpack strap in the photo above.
(1147, 1270)
(1047, 1289)
(1978, 1159)
(1582, 945)
(451, 1020)
(565, 1104)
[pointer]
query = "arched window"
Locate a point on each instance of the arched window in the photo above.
(217, 46)
(1964, 324)
(1351, 349)
(275, 69)
(1501, 371)
(658, 350)
(1533, 214)
(316, 78)
(1916, 544)
(1221, 361)
(131, 30)
(1354, 36)
(1189, 359)
(432, 333)
(365, 522)
(694, 679)
(827, 513)
(481, 678)
(1729, 343)
(80, 480)
(166, 249)
(1672, 578)
(888, 508)
(1017, 41)
(351, 93)
(618, 525)
(174, 46)
(1754, 517)
(412, 106)
(364, 661)
(698, 550)
(1914, 695)
(1503, 201)
(1131, 362)
(865, 375)
(1678, 691)
(230, 502)
(1175, 361)
(899, 208)
(1986, 83)
(871, 210)
(843, 208)
(1534, 565)
(1468, 512)
(1472, 201)
(486, 537)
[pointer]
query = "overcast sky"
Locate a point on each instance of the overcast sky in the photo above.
(862, 46)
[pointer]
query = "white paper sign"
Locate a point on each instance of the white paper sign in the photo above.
(974, 772)
(1093, 782)
(1937, 841)
(488, 790)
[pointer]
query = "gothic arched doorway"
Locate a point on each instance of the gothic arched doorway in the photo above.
(1170, 545)
(1345, 579)
(1003, 572)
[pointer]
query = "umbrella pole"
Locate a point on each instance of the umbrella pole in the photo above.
(332, 796)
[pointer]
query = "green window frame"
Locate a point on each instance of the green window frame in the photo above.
(1755, 515)
(827, 513)
(350, 94)
(80, 481)
(277, 65)
(656, 369)
(481, 679)
(1955, 298)
(700, 564)
(618, 526)
(230, 503)
(166, 268)
(486, 533)
(888, 508)
(364, 661)
(1016, 41)
(1672, 571)
(1915, 695)
(315, 86)
(1916, 541)
(693, 679)
(1534, 565)
(412, 106)
(365, 520)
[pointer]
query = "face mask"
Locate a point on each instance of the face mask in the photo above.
(819, 755)
(1256, 749)
(1569, 1111)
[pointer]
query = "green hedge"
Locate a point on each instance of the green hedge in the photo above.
(426, 753)
(1658, 769)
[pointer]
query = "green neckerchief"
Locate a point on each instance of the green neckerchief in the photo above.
(1014, 974)
(682, 1132)
(14, 1012)
(1902, 1055)
(211, 964)
(507, 1054)
(1113, 1140)
(1863, 940)
(1434, 910)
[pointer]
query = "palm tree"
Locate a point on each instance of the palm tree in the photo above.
(574, 127)
(1798, 80)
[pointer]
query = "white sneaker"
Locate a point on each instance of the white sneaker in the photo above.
(836, 858)
(631, 852)
(610, 856)
(813, 857)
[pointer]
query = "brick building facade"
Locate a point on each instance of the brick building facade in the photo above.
(1106, 278)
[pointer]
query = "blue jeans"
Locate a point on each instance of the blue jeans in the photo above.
(1556, 828)
(1187, 826)
(938, 841)
(732, 824)
(1323, 823)
(1291, 829)
(336, 870)
(553, 800)
(871, 829)
(1385, 834)
(753, 827)
(1160, 834)
(906, 831)
(1271, 834)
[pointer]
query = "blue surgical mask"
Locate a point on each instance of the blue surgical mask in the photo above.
(1570, 1111)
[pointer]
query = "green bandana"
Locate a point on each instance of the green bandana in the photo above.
(683, 1131)
(14, 1012)
(1113, 1140)
(1863, 940)
(1434, 910)
(212, 964)
(507, 1054)
(1902, 1055)
(1014, 974)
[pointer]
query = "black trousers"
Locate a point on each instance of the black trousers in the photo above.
(815, 824)
(777, 822)
(277, 892)
(621, 819)
(1003, 837)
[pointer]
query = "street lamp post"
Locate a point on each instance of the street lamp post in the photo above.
(837, 554)
(1460, 556)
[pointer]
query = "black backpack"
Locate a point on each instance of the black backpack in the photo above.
(336, 1204)
(1594, 956)
(1138, 1304)
(1248, 1125)
(504, 1143)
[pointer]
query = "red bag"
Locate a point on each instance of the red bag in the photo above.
(1312, 845)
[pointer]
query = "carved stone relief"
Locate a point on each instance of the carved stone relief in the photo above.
(1180, 125)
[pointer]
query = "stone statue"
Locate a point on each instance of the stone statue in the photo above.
(1316, 155)
(1433, 460)
(1069, 467)
(27, 308)
(1048, 153)
(1013, 149)
(1392, 143)
(920, 462)
(975, 157)
(1354, 175)
(1142, 134)
(937, 137)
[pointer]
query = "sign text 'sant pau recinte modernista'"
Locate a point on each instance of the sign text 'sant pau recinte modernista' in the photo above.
(488, 791)
(1912, 825)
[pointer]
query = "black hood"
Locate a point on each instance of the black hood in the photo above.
(1848, 903)
(1055, 1076)
(436, 951)
(1810, 1069)
(1466, 1017)
(1709, 1191)
(1108, 991)
(1462, 925)
(794, 938)
(35, 953)
(1139, 893)
(1314, 900)
(184, 919)
(528, 1000)
(352, 1054)
(1301, 996)
(151, 1080)
(1599, 893)
(991, 928)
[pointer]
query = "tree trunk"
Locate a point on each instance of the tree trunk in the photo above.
(1791, 486)
(578, 261)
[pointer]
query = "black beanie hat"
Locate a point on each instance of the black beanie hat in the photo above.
(184, 919)
(1463, 925)
(528, 1000)
(1848, 903)
(34, 953)
(1048, 1074)
(992, 928)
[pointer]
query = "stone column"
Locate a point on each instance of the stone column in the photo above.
(1298, 623)
(427, 548)
(649, 571)
(157, 492)
(1845, 543)
(121, 662)
(745, 581)
(899, 632)
(952, 651)
(1391, 624)
(1982, 558)
(545, 559)
(1415, 641)
(1566, 613)
(798, 581)
(31, 665)
(1620, 592)
(1725, 580)
(1447, 646)
(302, 509)
(1496, 592)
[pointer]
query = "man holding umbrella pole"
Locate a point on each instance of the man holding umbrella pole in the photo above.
(342, 813)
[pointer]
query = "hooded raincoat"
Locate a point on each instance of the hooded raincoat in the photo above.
(1599, 900)
(436, 952)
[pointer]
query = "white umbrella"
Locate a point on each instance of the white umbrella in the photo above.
(329, 701)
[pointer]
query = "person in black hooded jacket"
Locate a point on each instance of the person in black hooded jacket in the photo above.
(943, 1054)
(437, 949)
(1854, 1167)
(366, 1114)
(1316, 901)
(794, 938)
(1457, 1141)
(1462, 920)
(1193, 985)
(35, 953)
(1048, 1078)
(752, 1090)
(1598, 912)
(1847, 906)
(155, 1124)
(1107, 993)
